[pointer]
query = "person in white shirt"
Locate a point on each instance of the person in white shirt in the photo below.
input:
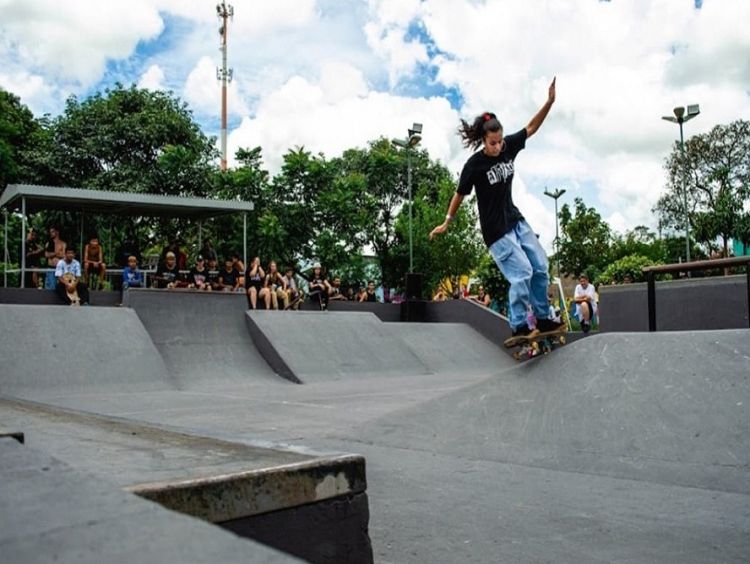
(71, 289)
(585, 299)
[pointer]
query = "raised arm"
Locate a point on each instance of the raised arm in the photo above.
(538, 119)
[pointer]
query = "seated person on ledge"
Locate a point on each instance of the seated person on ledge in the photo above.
(369, 294)
(292, 291)
(254, 277)
(71, 289)
(319, 287)
(168, 274)
(213, 273)
(274, 288)
(585, 300)
(229, 278)
(93, 260)
(198, 277)
(335, 293)
(132, 277)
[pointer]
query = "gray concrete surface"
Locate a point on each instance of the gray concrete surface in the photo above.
(49, 350)
(201, 336)
(616, 448)
(54, 512)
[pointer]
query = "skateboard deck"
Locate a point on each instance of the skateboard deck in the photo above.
(533, 345)
(295, 302)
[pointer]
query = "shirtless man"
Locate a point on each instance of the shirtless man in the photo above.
(54, 252)
(93, 259)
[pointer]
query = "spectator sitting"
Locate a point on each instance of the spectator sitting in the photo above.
(369, 295)
(254, 277)
(350, 294)
(335, 292)
(482, 297)
(554, 313)
(229, 278)
(274, 288)
(34, 253)
(198, 277)
(439, 296)
(319, 287)
(54, 252)
(239, 266)
(292, 291)
(93, 259)
(180, 256)
(71, 289)
(168, 274)
(132, 277)
(361, 294)
(585, 299)
(212, 276)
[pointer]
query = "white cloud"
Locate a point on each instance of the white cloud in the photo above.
(330, 116)
(153, 78)
(73, 41)
(202, 90)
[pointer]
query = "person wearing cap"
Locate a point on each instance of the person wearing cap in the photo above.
(319, 287)
(198, 277)
(511, 241)
(585, 300)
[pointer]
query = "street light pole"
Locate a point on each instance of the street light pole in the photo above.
(680, 118)
(556, 195)
(415, 136)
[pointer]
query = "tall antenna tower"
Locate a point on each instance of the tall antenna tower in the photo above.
(223, 74)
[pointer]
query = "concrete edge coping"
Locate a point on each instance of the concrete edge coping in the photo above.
(17, 435)
(242, 494)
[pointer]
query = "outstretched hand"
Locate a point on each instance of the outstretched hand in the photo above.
(442, 228)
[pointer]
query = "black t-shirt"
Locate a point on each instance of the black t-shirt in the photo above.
(492, 178)
(213, 277)
(229, 278)
(198, 276)
(165, 275)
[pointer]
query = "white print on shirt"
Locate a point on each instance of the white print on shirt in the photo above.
(500, 172)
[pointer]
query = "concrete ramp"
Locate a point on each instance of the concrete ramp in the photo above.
(452, 348)
(202, 337)
(47, 351)
(314, 346)
(666, 407)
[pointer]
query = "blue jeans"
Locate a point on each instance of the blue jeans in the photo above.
(523, 262)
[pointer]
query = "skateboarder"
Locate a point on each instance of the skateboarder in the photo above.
(512, 243)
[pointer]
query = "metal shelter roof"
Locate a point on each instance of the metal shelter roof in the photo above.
(120, 203)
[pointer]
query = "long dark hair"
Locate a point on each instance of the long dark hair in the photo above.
(472, 134)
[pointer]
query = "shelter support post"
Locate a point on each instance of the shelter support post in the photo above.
(244, 238)
(200, 235)
(23, 242)
(651, 281)
(5, 252)
(80, 244)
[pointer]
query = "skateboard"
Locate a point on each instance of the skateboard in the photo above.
(533, 345)
(294, 303)
(72, 296)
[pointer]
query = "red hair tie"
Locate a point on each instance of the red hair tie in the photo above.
(487, 117)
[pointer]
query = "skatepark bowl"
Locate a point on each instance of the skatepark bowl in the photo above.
(182, 428)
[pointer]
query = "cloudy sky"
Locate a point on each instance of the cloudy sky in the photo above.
(334, 74)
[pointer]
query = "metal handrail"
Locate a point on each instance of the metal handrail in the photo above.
(651, 271)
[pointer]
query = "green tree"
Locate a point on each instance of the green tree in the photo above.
(713, 175)
(23, 139)
(450, 255)
(132, 139)
(585, 240)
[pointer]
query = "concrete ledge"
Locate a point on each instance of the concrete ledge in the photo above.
(225, 497)
(32, 296)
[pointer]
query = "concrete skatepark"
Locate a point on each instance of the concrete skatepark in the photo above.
(341, 436)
